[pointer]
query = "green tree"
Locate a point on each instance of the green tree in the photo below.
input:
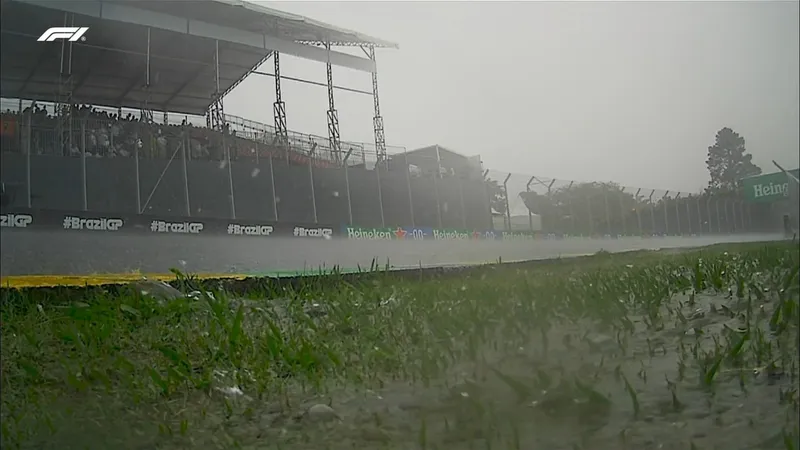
(497, 196)
(728, 162)
(585, 208)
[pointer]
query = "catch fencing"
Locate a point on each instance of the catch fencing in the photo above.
(524, 202)
(182, 170)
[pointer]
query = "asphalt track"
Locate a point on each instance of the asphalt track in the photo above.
(84, 253)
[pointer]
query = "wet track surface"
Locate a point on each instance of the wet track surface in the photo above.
(76, 253)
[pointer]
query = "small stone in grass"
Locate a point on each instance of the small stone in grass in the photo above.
(321, 413)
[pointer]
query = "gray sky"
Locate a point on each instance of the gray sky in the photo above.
(631, 92)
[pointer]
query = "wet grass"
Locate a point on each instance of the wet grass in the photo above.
(695, 350)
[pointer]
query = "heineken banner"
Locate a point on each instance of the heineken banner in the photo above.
(427, 233)
(768, 188)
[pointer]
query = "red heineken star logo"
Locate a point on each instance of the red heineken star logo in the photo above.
(400, 233)
(476, 235)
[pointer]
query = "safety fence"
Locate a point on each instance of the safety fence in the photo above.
(523, 202)
(127, 167)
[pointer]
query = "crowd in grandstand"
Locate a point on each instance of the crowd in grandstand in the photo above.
(112, 135)
(103, 133)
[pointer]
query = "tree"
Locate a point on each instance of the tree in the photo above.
(497, 196)
(585, 208)
(728, 162)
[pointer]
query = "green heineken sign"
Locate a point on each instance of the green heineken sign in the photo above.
(768, 188)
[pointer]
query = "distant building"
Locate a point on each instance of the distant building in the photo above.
(428, 160)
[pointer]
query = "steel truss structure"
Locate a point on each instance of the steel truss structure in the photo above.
(190, 60)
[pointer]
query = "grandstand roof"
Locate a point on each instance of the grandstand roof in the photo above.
(109, 67)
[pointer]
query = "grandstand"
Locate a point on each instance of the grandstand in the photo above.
(129, 119)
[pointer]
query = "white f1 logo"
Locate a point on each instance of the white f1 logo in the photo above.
(71, 33)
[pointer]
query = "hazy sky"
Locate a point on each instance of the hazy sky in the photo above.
(632, 92)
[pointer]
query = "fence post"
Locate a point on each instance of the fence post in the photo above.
(572, 210)
(83, 162)
(272, 185)
(652, 212)
(28, 118)
(347, 188)
(380, 190)
(623, 213)
(313, 191)
(184, 139)
(638, 214)
(591, 215)
(227, 151)
(699, 217)
(689, 214)
(666, 217)
(136, 155)
(677, 214)
(406, 168)
(608, 210)
(508, 209)
(488, 198)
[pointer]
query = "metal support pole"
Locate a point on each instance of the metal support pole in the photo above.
(185, 175)
(313, 191)
(689, 214)
(347, 187)
(699, 217)
(623, 212)
(279, 107)
(84, 194)
(608, 210)
(571, 210)
(638, 213)
(146, 112)
(508, 208)
(733, 213)
(485, 181)
(530, 214)
(708, 214)
(136, 169)
(218, 116)
(380, 193)
(677, 215)
(377, 119)
(272, 185)
(652, 213)
(666, 216)
(591, 215)
(719, 222)
(28, 149)
(333, 116)
(408, 186)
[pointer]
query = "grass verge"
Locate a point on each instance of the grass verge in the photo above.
(694, 350)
